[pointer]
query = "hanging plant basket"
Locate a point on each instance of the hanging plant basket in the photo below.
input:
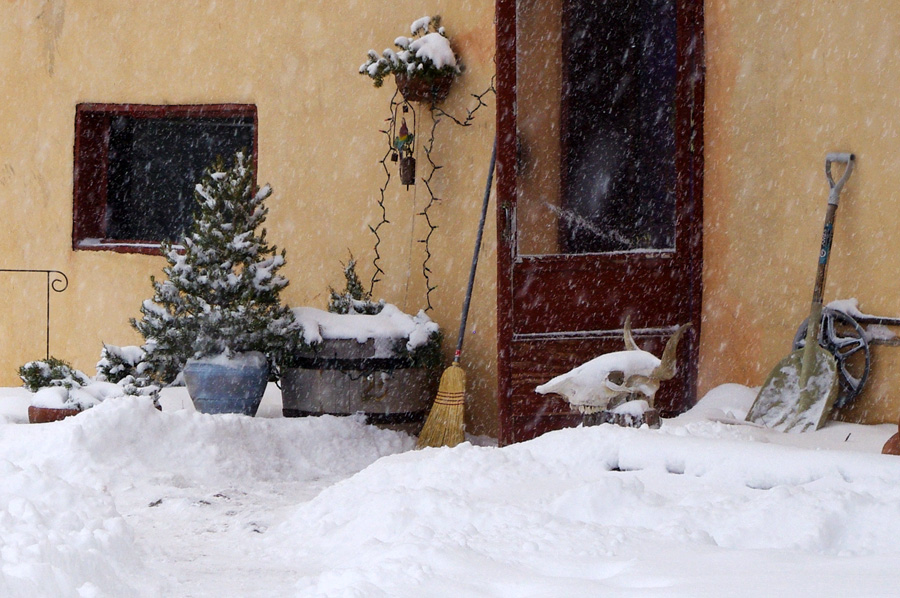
(419, 89)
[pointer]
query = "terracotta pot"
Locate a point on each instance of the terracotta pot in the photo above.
(417, 89)
(892, 446)
(43, 415)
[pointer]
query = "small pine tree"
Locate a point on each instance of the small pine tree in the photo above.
(354, 299)
(51, 372)
(221, 293)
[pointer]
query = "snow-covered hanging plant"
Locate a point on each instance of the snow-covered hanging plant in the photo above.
(426, 55)
(221, 293)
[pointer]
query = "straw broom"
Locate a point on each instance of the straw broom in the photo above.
(445, 425)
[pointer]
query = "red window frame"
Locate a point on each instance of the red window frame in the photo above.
(91, 165)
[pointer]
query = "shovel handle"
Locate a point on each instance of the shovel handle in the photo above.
(843, 158)
(815, 313)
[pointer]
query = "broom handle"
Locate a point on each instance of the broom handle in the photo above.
(468, 299)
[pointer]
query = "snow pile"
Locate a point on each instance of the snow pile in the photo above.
(595, 511)
(389, 323)
(57, 537)
(249, 359)
(72, 491)
(90, 394)
(434, 48)
(125, 500)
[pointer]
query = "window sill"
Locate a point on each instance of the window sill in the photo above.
(118, 246)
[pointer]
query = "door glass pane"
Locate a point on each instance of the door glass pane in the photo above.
(595, 114)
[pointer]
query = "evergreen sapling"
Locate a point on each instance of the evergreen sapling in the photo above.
(354, 299)
(221, 292)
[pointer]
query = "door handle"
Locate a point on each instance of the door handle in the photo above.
(507, 221)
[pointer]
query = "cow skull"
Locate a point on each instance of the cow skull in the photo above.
(613, 378)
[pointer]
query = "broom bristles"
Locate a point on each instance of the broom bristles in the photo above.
(445, 425)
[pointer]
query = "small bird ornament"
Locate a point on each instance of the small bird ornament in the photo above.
(403, 142)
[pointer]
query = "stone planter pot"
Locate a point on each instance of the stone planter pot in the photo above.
(43, 415)
(345, 377)
(417, 89)
(219, 386)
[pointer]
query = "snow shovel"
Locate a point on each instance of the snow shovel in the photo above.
(800, 391)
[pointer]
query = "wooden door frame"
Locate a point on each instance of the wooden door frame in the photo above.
(689, 172)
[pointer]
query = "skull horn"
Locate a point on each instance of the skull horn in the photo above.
(630, 345)
(666, 368)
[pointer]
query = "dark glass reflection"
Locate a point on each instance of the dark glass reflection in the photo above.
(154, 165)
(618, 135)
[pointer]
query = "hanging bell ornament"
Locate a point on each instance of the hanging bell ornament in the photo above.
(394, 157)
(408, 170)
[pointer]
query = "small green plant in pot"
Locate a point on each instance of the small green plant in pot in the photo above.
(218, 316)
(52, 381)
(361, 355)
(61, 391)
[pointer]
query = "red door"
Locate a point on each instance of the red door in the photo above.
(599, 187)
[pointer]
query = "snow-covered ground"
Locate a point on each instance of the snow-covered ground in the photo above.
(124, 500)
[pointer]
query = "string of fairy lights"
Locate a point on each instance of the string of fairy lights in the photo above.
(400, 143)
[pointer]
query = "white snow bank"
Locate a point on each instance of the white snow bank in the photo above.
(53, 397)
(89, 395)
(57, 538)
(390, 323)
(124, 500)
(72, 491)
(607, 511)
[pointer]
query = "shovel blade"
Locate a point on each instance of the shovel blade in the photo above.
(784, 405)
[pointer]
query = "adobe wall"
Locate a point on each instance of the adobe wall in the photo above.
(786, 83)
(319, 146)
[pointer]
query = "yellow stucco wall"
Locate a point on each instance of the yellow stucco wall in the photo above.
(318, 147)
(786, 83)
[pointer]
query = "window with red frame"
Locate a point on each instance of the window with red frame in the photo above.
(136, 167)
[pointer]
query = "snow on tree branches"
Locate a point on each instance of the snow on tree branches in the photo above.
(221, 292)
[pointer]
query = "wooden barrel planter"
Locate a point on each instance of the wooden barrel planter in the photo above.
(345, 377)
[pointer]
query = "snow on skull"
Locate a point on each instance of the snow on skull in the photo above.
(614, 378)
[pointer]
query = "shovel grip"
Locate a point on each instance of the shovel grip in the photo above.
(842, 158)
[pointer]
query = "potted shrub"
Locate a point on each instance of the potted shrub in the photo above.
(52, 380)
(217, 317)
(424, 65)
(361, 356)
(61, 391)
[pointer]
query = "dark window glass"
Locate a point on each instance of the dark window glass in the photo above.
(136, 166)
(154, 165)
